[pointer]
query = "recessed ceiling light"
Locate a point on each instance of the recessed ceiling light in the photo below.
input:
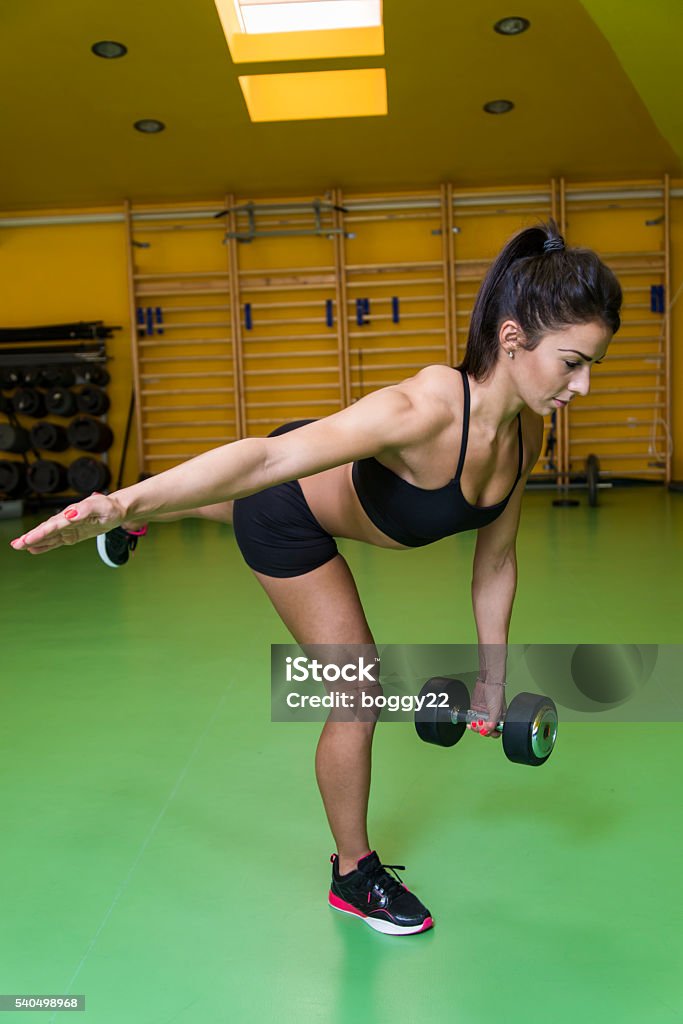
(109, 50)
(499, 107)
(511, 26)
(149, 126)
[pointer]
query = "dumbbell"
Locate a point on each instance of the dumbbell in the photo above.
(529, 729)
(57, 377)
(49, 436)
(93, 400)
(97, 375)
(89, 435)
(60, 402)
(32, 376)
(592, 479)
(12, 478)
(29, 402)
(14, 439)
(87, 475)
(46, 476)
(11, 378)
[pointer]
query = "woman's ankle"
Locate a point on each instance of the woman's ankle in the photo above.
(348, 863)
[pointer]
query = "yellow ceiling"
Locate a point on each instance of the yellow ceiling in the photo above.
(594, 83)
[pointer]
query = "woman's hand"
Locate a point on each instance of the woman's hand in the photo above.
(489, 700)
(79, 521)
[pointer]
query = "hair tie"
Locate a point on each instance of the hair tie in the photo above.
(553, 244)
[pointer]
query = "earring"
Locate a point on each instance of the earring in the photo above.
(511, 355)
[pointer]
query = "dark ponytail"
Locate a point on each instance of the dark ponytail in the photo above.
(544, 287)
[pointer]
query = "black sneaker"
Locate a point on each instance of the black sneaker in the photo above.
(379, 898)
(114, 547)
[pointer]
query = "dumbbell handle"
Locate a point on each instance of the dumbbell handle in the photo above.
(467, 717)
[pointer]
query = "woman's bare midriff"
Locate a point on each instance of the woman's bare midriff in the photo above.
(333, 501)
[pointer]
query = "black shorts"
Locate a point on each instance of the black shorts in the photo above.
(276, 531)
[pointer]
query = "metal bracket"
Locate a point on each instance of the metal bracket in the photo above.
(316, 207)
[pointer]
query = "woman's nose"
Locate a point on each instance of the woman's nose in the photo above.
(581, 384)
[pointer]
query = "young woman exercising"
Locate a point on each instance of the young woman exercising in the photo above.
(444, 451)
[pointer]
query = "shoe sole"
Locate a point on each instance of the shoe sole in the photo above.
(385, 927)
(102, 552)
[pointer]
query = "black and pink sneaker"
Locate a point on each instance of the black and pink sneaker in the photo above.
(115, 546)
(377, 897)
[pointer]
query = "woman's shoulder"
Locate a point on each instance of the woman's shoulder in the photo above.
(435, 380)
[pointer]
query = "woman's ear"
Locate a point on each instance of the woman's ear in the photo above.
(509, 337)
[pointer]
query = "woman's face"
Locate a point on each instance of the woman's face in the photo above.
(559, 368)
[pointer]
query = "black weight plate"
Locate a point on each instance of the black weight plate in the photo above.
(89, 435)
(49, 436)
(97, 375)
(12, 478)
(60, 402)
(433, 721)
(92, 400)
(29, 402)
(530, 729)
(14, 439)
(57, 376)
(46, 476)
(87, 475)
(11, 378)
(592, 479)
(32, 376)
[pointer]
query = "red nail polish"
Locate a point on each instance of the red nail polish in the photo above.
(71, 514)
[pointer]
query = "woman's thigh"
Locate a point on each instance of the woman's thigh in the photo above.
(321, 606)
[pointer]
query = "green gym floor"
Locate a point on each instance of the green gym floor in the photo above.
(163, 845)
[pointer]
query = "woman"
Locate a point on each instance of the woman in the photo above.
(444, 451)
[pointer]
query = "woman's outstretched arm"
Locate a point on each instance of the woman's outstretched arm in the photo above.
(393, 417)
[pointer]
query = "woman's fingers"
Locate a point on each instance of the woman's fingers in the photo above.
(486, 728)
(79, 521)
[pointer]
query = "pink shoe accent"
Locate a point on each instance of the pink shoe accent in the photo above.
(138, 533)
(427, 924)
(340, 904)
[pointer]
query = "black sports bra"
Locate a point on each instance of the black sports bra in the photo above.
(414, 516)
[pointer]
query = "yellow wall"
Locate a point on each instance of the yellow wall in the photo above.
(68, 273)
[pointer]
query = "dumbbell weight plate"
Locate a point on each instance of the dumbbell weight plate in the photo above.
(92, 400)
(87, 475)
(96, 375)
(433, 721)
(592, 479)
(11, 378)
(49, 437)
(12, 478)
(47, 477)
(60, 402)
(32, 376)
(57, 377)
(530, 729)
(14, 439)
(90, 435)
(29, 402)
